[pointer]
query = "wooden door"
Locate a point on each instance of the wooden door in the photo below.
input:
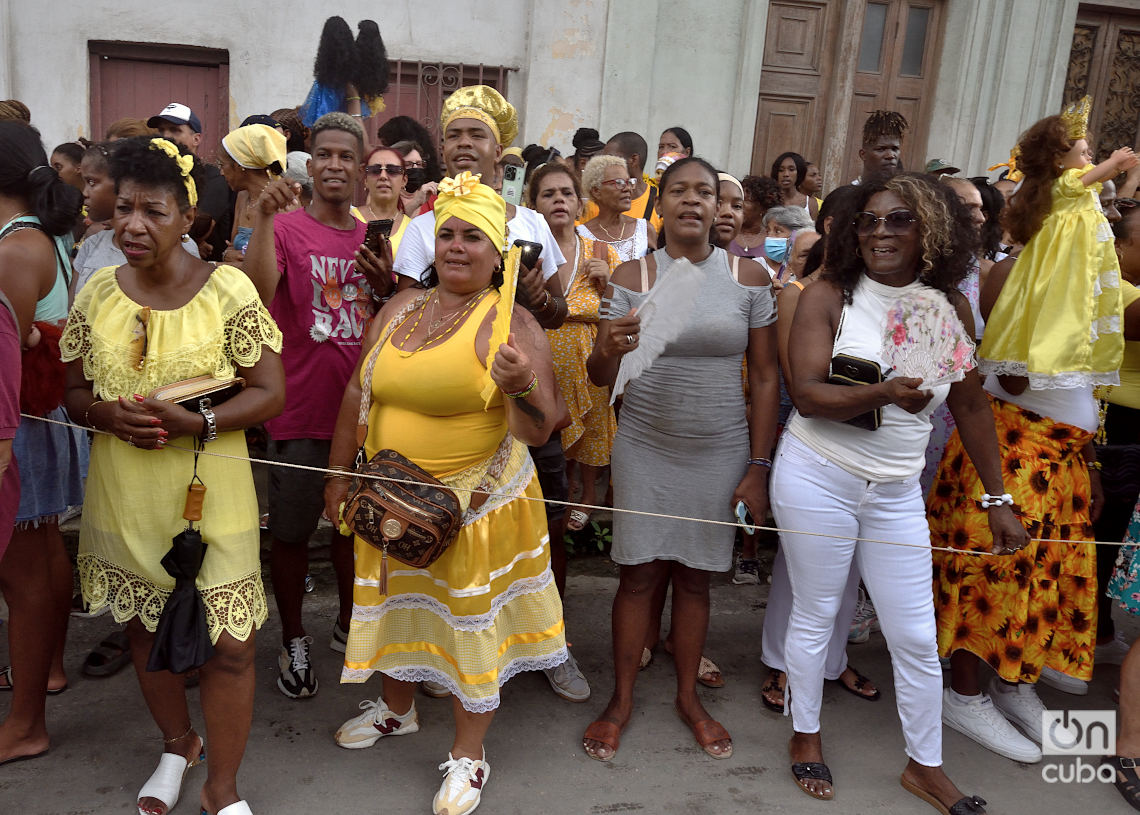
(897, 58)
(796, 73)
(1105, 64)
(139, 80)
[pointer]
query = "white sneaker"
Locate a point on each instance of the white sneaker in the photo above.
(978, 719)
(1112, 653)
(1064, 682)
(1020, 705)
(462, 785)
(436, 690)
(568, 681)
(376, 722)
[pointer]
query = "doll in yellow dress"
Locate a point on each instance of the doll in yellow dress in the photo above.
(1057, 319)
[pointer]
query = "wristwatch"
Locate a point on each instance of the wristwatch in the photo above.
(209, 424)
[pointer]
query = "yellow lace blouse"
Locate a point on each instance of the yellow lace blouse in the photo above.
(135, 497)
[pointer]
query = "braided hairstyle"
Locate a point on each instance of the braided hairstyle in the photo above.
(882, 123)
(25, 173)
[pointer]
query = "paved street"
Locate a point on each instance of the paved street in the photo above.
(105, 744)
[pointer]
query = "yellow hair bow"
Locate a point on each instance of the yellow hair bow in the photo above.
(185, 165)
(462, 184)
(1014, 174)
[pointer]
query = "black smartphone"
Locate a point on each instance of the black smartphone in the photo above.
(530, 253)
(375, 231)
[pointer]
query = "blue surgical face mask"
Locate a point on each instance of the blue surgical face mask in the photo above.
(776, 249)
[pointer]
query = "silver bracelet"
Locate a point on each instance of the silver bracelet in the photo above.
(1005, 499)
(210, 425)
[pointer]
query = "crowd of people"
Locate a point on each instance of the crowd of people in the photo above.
(908, 373)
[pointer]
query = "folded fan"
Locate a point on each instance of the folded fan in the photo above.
(924, 338)
(664, 313)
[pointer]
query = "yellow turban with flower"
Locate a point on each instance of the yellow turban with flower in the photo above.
(485, 104)
(257, 147)
(465, 198)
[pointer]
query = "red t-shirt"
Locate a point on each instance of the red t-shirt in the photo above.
(323, 307)
(9, 420)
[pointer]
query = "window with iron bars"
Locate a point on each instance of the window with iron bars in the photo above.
(417, 89)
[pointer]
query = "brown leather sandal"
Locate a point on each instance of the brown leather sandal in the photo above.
(708, 732)
(606, 733)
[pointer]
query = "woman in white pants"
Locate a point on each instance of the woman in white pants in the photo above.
(902, 236)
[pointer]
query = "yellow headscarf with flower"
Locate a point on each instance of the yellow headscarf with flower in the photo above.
(185, 165)
(257, 147)
(465, 198)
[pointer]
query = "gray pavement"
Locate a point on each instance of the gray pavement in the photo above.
(104, 744)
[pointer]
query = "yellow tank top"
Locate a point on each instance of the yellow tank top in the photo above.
(427, 405)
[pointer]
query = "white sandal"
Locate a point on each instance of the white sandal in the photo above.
(165, 783)
(238, 808)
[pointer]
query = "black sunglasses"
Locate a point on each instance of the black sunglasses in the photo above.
(392, 169)
(896, 223)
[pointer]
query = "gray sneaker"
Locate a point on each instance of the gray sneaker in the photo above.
(568, 681)
(747, 572)
(338, 640)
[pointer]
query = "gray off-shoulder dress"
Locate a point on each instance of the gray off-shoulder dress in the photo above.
(682, 440)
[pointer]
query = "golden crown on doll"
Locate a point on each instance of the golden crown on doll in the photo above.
(1075, 118)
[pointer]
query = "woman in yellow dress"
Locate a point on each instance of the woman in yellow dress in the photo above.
(587, 441)
(459, 377)
(163, 317)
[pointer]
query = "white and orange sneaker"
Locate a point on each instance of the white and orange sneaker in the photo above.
(376, 722)
(462, 785)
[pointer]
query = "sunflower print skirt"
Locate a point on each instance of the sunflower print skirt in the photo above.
(1035, 608)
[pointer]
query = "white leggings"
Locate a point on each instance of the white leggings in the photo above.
(812, 494)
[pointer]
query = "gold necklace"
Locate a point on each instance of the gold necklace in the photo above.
(461, 314)
(621, 235)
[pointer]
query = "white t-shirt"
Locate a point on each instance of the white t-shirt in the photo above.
(99, 251)
(417, 247)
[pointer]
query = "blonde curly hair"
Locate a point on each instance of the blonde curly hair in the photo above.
(594, 172)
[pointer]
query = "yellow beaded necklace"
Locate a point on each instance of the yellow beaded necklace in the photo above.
(460, 316)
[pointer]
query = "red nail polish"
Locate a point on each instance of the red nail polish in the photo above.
(156, 421)
(138, 398)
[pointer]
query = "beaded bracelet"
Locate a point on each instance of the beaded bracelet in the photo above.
(761, 462)
(1005, 499)
(352, 98)
(526, 391)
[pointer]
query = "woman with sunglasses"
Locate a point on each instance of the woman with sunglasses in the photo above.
(840, 484)
(607, 183)
(384, 180)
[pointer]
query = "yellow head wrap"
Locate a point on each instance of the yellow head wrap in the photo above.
(485, 104)
(465, 198)
(185, 165)
(257, 147)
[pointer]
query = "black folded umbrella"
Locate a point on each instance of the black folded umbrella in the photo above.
(182, 640)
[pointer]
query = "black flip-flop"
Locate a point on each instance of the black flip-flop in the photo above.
(108, 657)
(1125, 778)
(860, 682)
(6, 673)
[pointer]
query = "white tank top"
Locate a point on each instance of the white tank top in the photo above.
(897, 450)
(1072, 406)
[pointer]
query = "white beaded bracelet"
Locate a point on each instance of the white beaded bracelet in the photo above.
(996, 500)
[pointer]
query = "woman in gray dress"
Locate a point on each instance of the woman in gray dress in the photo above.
(685, 445)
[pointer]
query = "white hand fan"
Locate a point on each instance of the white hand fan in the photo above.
(923, 338)
(664, 313)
